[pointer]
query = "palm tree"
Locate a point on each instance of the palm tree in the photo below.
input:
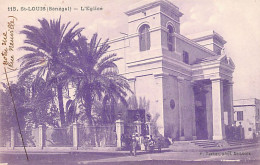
(113, 94)
(97, 74)
(47, 47)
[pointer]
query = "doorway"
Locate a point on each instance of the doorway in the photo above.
(201, 123)
(200, 112)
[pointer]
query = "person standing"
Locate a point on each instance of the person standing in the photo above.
(133, 144)
(130, 144)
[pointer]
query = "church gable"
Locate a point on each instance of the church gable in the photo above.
(226, 60)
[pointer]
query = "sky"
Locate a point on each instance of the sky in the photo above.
(238, 21)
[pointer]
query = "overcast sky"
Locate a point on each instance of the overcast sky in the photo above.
(238, 21)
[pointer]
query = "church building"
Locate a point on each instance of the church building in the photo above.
(186, 79)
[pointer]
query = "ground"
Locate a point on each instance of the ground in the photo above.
(236, 156)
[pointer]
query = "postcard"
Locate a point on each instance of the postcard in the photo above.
(129, 82)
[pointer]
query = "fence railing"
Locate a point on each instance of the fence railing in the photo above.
(58, 137)
(30, 138)
(98, 136)
(72, 136)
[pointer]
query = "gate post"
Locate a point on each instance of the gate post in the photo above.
(40, 137)
(75, 135)
(149, 127)
(12, 138)
(119, 132)
(138, 127)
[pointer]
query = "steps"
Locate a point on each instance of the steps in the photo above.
(238, 143)
(198, 145)
(209, 145)
(184, 146)
(206, 143)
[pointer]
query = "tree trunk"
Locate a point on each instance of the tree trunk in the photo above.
(89, 116)
(113, 114)
(104, 115)
(88, 102)
(92, 129)
(61, 107)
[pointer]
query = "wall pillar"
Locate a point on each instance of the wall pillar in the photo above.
(119, 132)
(181, 125)
(40, 137)
(12, 137)
(159, 78)
(75, 135)
(218, 109)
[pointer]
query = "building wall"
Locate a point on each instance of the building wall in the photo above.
(188, 108)
(120, 47)
(194, 52)
(150, 88)
(248, 121)
(250, 117)
(171, 120)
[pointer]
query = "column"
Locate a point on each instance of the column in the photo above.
(218, 109)
(194, 137)
(119, 132)
(40, 137)
(230, 101)
(12, 137)
(209, 110)
(75, 135)
(181, 127)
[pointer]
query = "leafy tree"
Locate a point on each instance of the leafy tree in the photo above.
(7, 111)
(96, 74)
(20, 96)
(42, 105)
(47, 47)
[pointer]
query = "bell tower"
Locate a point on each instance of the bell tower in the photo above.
(152, 25)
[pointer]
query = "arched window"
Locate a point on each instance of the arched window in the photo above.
(170, 39)
(144, 37)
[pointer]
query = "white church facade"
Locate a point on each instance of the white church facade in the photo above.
(186, 79)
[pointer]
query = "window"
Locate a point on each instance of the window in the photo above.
(144, 37)
(170, 39)
(239, 115)
(185, 57)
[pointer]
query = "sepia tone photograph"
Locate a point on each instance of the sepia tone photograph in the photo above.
(129, 82)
